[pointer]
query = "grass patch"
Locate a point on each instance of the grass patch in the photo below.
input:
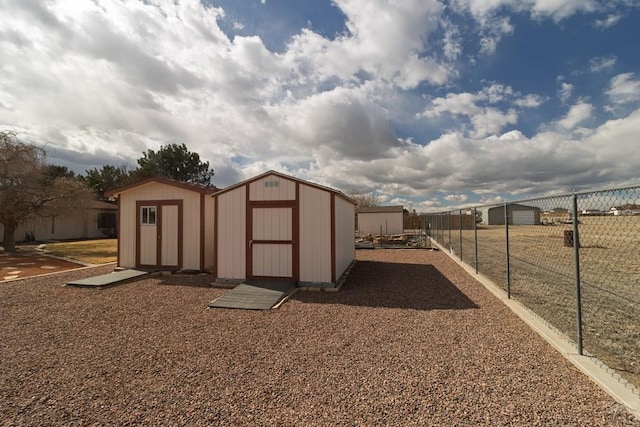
(98, 251)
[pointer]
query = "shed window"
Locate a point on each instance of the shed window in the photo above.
(270, 184)
(148, 215)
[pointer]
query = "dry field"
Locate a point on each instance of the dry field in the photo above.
(410, 339)
(99, 251)
(542, 277)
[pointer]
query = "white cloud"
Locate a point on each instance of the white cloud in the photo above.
(493, 30)
(608, 22)
(547, 161)
(385, 38)
(492, 121)
(454, 103)
(456, 198)
(158, 72)
(530, 101)
(565, 92)
(624, 88)
(451, 41)
(484, 118)
(554, 9)
(561, 9)
(602, 63)
(577, 114)
(100, 82)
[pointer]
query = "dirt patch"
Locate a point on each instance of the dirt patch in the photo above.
(28, 263)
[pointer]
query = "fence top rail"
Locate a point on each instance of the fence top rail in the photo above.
(539, 198)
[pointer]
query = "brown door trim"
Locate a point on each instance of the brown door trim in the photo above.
(293, 205)
(159, 204)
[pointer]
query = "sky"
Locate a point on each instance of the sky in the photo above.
(429, 104)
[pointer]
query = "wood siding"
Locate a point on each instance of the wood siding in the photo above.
(272, 187)
(169, 233)
(272, 260)
(154, 191)
(387, 223)
(274, 226)
(148, 245)
(271, 244)
(315, 235)
(232, 234)
(209, 233)
(344, 237)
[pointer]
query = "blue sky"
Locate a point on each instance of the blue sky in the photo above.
(437, 104)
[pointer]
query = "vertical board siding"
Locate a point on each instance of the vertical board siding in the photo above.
(380, 223)
(272, 260)
(169, 234)
(159, 191)
(148, 245)
(315, 235)
(232, 237)
(265, 189)
(209, 232)
(127, 232)
(272, 223)
(345, 229)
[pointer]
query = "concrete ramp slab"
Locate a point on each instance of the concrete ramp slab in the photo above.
(110, 279)
(257, 295)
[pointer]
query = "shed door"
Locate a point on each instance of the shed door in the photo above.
(148, 235)
(158, 235)
(169, 236)
(271, 243)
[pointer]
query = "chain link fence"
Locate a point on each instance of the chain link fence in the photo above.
(582, 277)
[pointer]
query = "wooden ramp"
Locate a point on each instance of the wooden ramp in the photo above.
(257, 295)
(110, 279)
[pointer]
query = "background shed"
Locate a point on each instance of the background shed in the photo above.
(95, 221)
(517, 215)
(383, 220)
(165, 224)
(275, 226)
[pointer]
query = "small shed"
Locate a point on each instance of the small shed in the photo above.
(517, 215)
(165, 224)
(275, 226)
(380, 220)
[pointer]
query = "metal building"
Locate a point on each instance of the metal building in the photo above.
(517, 215)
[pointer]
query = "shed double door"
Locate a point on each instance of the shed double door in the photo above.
(159, 235)
(271, 243)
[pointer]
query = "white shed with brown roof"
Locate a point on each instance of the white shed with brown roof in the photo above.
(272, 226)
(165, 224)
(382, 220)
(275, 226)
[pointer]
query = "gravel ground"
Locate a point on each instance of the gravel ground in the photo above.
(410, 339)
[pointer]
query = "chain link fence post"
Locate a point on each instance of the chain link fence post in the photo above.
(475, 238)
(449, 227)
(506, 241)
(460, 227)
(576, 261)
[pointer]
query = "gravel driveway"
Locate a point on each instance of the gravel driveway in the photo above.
(410, 339)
